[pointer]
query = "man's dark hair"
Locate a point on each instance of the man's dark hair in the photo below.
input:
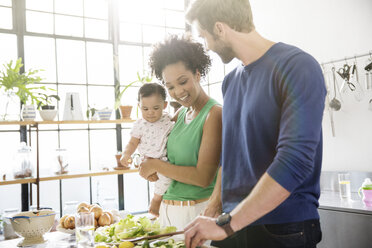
(179, 49)
(149, 89)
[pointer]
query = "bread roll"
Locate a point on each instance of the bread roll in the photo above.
(69, 222)
(83, 209)
(62, 220)
(111, 217)
(82, 204)
(97, 210)
(104, 219)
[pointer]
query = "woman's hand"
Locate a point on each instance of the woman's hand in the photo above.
(213, 209)
(147, 169)
(153, 178)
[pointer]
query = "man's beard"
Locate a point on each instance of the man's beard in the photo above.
(225, 52)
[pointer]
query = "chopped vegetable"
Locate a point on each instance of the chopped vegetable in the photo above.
(162, 244)
(130, 227)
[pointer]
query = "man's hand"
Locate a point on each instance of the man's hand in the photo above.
(213, 209)
(203, 229)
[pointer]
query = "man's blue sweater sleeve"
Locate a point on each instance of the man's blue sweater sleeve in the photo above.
(302, 93)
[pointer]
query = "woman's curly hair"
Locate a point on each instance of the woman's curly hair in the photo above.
(179, 49)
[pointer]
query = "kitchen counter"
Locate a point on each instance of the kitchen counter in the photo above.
(54, 240)
(330, 200)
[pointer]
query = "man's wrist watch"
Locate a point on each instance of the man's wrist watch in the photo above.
(224, 221)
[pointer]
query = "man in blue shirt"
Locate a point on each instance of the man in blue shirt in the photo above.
(272, 136)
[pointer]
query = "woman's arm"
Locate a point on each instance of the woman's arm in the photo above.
(209, 156)
(214, 207)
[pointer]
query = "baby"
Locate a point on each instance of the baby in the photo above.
(150, 135)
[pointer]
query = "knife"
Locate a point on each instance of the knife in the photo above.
(150, 237)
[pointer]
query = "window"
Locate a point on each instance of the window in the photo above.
(72, 41)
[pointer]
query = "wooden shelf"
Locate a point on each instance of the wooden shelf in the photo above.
(18, 181)
(87, 174)
(35, 124)
(68, 176)
(24, 123)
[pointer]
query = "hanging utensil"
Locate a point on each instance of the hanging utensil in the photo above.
(368, 69)
(354, 79)
(368, 82)
(344, 73)
(330, 111)
(334, 104)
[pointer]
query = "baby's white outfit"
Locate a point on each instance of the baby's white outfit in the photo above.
(153, 144)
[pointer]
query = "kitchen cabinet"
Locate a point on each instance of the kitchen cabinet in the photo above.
(344, 223)
(37, 179)
(345, 229)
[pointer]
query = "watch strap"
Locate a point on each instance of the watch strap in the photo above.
(228, 230)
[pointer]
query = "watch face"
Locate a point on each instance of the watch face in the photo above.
(223, 219)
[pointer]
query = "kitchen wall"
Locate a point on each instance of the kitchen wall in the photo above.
(329, 30)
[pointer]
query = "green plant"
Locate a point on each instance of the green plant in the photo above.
(11, 79)
(91, 112)
(45, 100)
(147, 78)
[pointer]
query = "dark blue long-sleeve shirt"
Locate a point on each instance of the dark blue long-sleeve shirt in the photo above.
(272, 117)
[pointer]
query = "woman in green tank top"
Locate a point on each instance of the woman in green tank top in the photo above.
(194, 145)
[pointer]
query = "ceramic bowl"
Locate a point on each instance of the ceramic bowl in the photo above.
(105, 114)
(32, 225)
(48, 114)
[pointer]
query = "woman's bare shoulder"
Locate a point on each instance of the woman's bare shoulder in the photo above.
(215, 112)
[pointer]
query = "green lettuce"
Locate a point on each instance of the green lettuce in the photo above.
(130, 227)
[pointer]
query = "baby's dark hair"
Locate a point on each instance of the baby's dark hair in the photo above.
(179, 49)
(149, 89)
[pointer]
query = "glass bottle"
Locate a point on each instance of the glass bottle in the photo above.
(109, 203)
(70, 207)
(60, 161)
(8, 229)
(23, 166)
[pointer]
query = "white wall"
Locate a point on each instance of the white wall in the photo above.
(329, 30)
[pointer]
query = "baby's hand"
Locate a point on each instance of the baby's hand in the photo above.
(126, 160)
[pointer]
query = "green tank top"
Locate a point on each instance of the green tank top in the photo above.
(183, 149)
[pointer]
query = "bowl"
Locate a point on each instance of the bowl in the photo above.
(105, 114)
(32, 225)
(48, 114)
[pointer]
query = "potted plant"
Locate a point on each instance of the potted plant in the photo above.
(46, 109)
(125, 110)
(13, 83)
(92, 113)
(46, 101)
